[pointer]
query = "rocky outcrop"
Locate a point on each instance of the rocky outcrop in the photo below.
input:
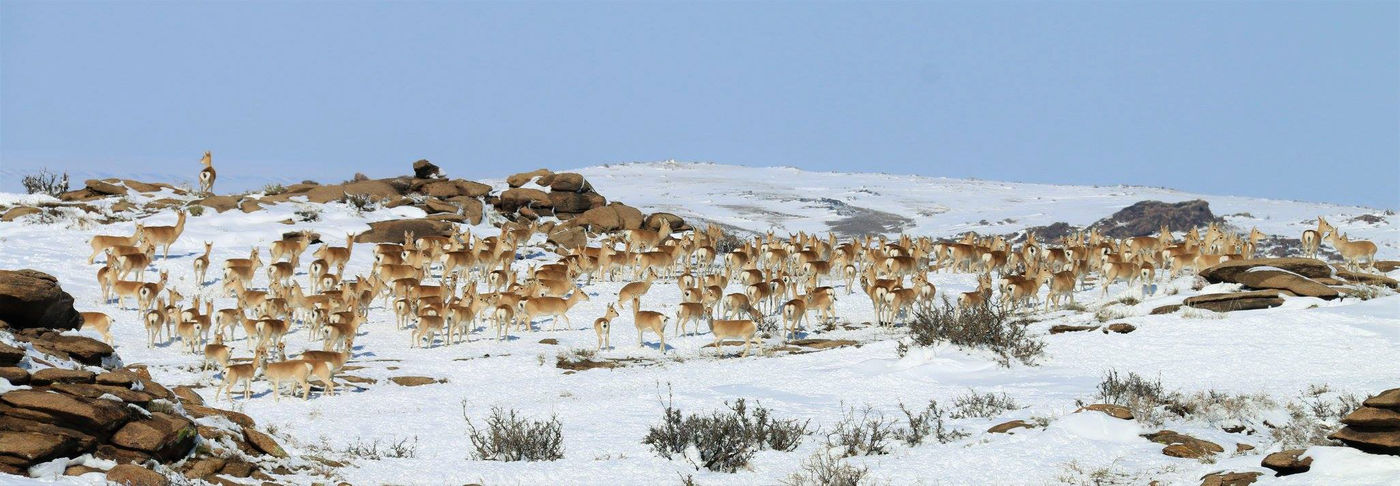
(613, 217)
(1115, 411)
(1184, 446)
(392, 231)
(1145, 218)
(517, 180)
(423, 169)
(33, 299)
(1235, 301)
(1375, 427)
(1287, 462)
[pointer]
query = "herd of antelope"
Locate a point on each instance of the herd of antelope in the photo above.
(444, 289)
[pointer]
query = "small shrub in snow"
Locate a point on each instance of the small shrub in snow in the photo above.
(1113, 312)
(728, 243)
(374, 451)
(863, 434)
(1195, 313)
(362, 203)
(824, 469)
(926, 422)
(45, 182)
(308, 214)
(508, 437)
(1075, 307)
(723, 440)
(273, 189)
(986, 405)
(195, 210)
(985, 327)
(1128, 300)
(1146, 398)
(1368, 292)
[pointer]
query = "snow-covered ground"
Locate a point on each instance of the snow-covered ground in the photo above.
(1348, 345)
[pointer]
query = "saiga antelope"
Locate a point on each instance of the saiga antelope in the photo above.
(603, 327)
(99, 322)
(244, 372)
(165, 236)
(101, 243)
(207, 175)
(742, 328)
(553, 307)
(201, 263)
(649, 321)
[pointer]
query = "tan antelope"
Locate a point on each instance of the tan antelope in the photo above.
(155, 321)
(101, 243)
(1113, 271)
(794, 312)
(217, 354)
(980, 297)
(243, 372)
(146, 295)
(165, 236)
(744, 329)
(603, 327)
(296, 371)
(1353, 252)
(135, 262)
(1312, 239)
(201, 263)
(97, 321)
(635, 290)
(649, 321)
(189, 334)
(1059, 284)
(553, 307)
(428, 327)
(690, 312)
(291, 247)
(207, 174)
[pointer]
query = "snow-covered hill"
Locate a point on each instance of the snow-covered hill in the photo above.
(1308, 351)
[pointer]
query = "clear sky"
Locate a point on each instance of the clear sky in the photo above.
(1294, 100)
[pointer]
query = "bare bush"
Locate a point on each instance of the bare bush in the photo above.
(728, 243)
(362, 203)
(824, 469)
(308, 214)
(926, 422)
(1145, 398)
(866, 433)
(986, 405)
(274, 189)
(984, 327)
(726, 439)
(375, 451)
(508, 437)
(45, 182)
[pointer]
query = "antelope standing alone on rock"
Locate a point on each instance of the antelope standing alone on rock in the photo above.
(206, 176)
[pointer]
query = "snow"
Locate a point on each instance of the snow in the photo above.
(1346, 344)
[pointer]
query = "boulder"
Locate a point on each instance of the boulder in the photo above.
(566, 182)
(654, 220)
(517, 180)
(19, 212)
(1235, 301)
(376, 189)
(573, 202)
(164, 436)
(33, 299)
(412, 380)
(263, 442)
(1227, 271)
(1115, 411)
(1182, 445)
(59, 375)
(203, 468)
(423, 169)
(1264, 279)
(1166, 309)
(440, 189)
(200, 411)
(1387, 266)
(613, 217)
(1230, 478)
(1387, 399)
(1367, 278)
(82, 349)
(1064, 328)
(133, 475)
(1375, 441)
(36, 447)
(10, 355)
(104, 188)
(249, 205)
(392, 231)
(219, 203)
(88, 390)
(1287, 462)
(15, 375)
(1007, 427)
(139, 186)
(1369, 417)
(435, 206)
(102, 416)
(1120, 328)
(1145, 218)
(188, 396)
(519, 197)
(571, 237)
(471, 208)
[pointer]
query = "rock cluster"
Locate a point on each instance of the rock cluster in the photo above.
(30, 298)
(1375, 427)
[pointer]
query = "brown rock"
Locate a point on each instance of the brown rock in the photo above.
(654, 220)
(1230, 478)
(1064, 328)
(1373, 418)
(412, 380)
(122, 456)
(238, 468)
(613, 217)
(219, 203)
(1006, 427)
(1280, 280)
(263, 442)
(1115, 411)
(392, 231)
(570, 202)
(1367, 278)
(104, 188)
(441, 189)
(188, 395)
(1120, 328)
(19, 212)
(515, 198)
(41, 426)
(86, 414)
(139, 186)
(522, 178)
(1387, 266)
(203, 468)
(15, 375)
(118, 377)
(1166, 309)
(1375, 441)
(199, 411)
(1287, 462)
(83, 194)
(249, 205)
(1242, 448)
(82, 349)
(87, 390)
(1182, 445)
(1228, 271)
(434, 206)
(422, 169)
(122, 206)
(566, 182)
(378, 190)
(35, 447)
(163, 436)
(59, 375)
(569, 238)
(133, 475)
(79, 470)
(10, 355)
(1235, 301)
(471, 208)
(1387, 399)
(33, 299)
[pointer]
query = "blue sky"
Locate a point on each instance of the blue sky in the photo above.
(1294, 100)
